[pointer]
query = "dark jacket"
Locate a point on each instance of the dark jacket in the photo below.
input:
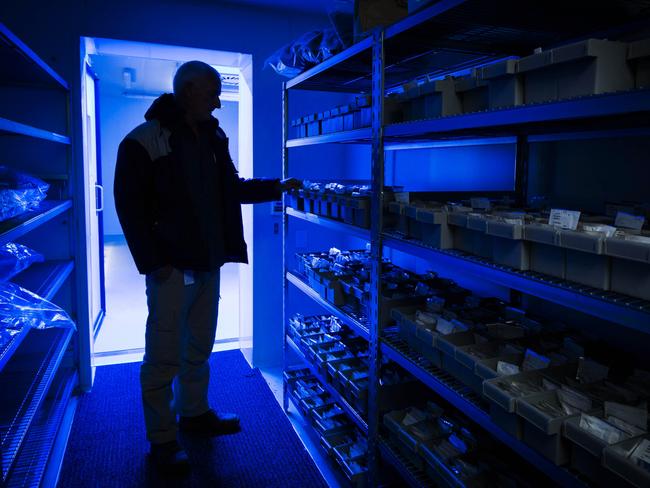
(178, 197)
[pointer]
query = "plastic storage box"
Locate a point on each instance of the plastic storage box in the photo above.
(508, 245)
(638, 56)
(483, 243)
(473, 93)
(584, 68)
(447, 344)
(587, 453)
(586, 262)
(505, 85)
(617, 459)
(462, 237)
(434, 228)
(439, 99)
(545, 254)
(630, 273)
(503, 399)
(541, 431)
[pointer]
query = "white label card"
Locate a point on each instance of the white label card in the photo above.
(629, 221)
(564, 219)
(188, 278)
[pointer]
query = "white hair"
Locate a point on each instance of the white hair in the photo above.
(191, 71)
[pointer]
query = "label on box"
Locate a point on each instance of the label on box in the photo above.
(480, 203)
(564, 219)
(629, 221)
(506, 369)
(402, 197)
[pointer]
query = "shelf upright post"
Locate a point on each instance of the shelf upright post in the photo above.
(376, 224)
(285, 232)
(521, 170)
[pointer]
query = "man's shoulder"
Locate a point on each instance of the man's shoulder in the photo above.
(153, 137)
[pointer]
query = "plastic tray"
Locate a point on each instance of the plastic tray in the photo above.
(615, 459)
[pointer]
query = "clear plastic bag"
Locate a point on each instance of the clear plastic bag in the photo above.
(21, 308)
(15, 258)
(19, 192)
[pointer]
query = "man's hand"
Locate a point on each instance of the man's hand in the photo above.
(290, 184)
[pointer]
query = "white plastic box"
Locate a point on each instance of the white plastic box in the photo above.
(584, 68)
(505, 85)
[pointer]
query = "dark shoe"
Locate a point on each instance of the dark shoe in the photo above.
(170, 458)
(210, 424)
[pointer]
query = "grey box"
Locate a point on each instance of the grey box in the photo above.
(545, 256)
(434, 228)
(588, 269)
(627, 249)
(638, 55)
(473, 94)
(541, 431)
(508, 246)
(615, 458)
(584, 68)
(440, 99)
(414, 227)
(505, 86)
(630, 278)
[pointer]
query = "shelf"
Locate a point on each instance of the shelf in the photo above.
(45, 279)
(330, 223)
(457, 34)
(358, 136)
(467, 402)
(10, 347)
(343, 403)
(21, 65)
(48, 209)
(34, 455)
(608, 111)
(10, 127)
(412, 475)
(356, 326)
(25, 381)
(344, 72)
(619, 309)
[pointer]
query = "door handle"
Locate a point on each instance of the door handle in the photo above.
(99, 189)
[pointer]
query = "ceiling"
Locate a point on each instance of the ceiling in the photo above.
(308, 6)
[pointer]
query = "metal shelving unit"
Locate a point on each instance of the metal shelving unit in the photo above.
(413, 476)
(449, 36)
(36, 388)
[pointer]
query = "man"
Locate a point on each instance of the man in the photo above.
(178, 198)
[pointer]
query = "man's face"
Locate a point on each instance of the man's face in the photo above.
(203, 97)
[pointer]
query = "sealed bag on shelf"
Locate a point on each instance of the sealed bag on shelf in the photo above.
(19, 192)
(15, 258)
(21, 308)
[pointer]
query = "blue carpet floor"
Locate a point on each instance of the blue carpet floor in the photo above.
(108, 448)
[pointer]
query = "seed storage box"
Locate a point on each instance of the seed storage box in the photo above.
(352, 459)
(503, 393)
(508, 245)
(435, 99)
(630, 273)
(483, 243)
(545, 254)
(421, 338)
(434, 229)
(618, 459)
(543, 431)
(587, 452)
(638, 56)
(473, 93)
(462, 237)
(586, 262)
(505, 85)
(447, 344)
(584, 68)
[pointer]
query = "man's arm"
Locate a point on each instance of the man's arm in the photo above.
(134, 197)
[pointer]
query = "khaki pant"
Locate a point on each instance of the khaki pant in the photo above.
(181, 328)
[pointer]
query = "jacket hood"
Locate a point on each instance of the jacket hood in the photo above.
(166, 110)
